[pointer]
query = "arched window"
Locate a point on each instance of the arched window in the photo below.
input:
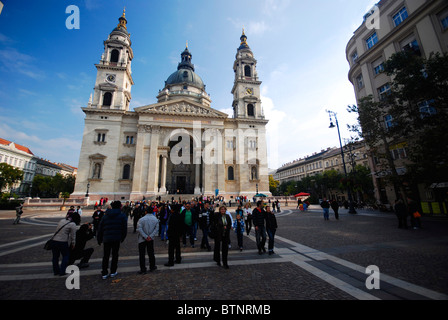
(126, 171)
(114, 55)
(230, 174)
(250, 110)
(107, 99)
(247, 71)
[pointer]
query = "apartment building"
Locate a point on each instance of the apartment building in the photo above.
(390, 27)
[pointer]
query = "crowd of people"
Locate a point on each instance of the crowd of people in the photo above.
(173, 222)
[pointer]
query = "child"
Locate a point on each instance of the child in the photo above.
(238, 225)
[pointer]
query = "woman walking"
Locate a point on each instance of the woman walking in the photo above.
(223, 225)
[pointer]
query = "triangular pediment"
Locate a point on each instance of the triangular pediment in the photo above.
(181, 107)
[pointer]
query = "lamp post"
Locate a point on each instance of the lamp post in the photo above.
(88, 186)
(350, 200)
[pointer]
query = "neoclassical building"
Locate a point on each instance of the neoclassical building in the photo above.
(180, 145)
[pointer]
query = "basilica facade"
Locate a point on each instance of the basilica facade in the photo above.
(180, 145)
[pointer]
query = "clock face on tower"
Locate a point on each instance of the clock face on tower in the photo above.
(110, 77)
(249, 91)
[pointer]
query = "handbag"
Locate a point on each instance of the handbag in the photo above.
(49, 244)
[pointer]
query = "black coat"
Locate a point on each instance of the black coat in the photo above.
(113, 226)
(271, 221)
(258, 217)
(175, 225)
(220, 232)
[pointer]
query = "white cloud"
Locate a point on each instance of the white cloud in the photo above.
(59, 149)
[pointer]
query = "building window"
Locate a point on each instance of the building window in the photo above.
(355, 57)
(129, 139)
(107, 99)
(400, 16)
(378, 68)
(411, 46)
(399, 153)
(426, 109)
(384, 91)
(372, 40)
(114, 56)
(126, 172)
(445, 23)
(389, 121)
(250, 110)
(247, 71)
(360, 82)
(230, 174)
(101, 137)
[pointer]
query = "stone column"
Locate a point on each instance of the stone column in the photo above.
(153, 172)
(163, 178)
(136, 192)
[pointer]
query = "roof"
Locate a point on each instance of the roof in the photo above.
(17, 146)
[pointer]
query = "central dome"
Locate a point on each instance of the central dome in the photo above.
(185, 73)
(186, 76)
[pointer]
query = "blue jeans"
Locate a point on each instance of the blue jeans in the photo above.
(260, 237)
(60, 248)
(326, 213)
(271, 235)
(163, 234)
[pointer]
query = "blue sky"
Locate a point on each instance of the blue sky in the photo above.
(47, 71)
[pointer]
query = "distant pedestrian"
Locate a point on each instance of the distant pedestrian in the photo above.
(79, 210)
(248, 217)
(326, 207)
(223, 225)
(136, 214)
(19, 211)
(204, 224)
(163, 214)
(335, 206)
(259, 218)
(112, 231)
(238, 226)
(189, 220)
(401, 213)
(415, 214)
(271, 228)
(175, 232)
(96, 218)
(147, 229)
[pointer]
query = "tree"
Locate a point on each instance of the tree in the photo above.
(273, 185)
(420, 92)
(51, 187)
(378, 137)
(416, 112)
(9, 176)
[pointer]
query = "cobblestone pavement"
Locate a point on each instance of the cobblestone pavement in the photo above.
(314, 260)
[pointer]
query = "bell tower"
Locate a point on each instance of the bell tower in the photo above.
(246, 88)
(114, 80)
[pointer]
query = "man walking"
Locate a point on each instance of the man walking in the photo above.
(112, 231)
(259, 218)
(326, 207)
(147, 229)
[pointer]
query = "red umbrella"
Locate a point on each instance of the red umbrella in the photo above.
(302, 194)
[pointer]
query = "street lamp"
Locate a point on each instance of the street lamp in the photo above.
(350, 200)
(88, 186)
